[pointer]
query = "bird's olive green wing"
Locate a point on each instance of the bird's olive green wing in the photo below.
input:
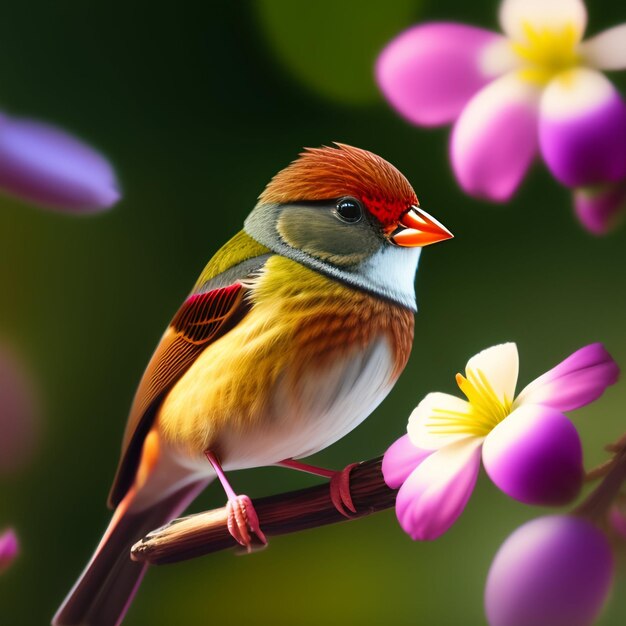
(211, 310)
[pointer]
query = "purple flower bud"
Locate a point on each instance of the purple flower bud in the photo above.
(600, 209)
(552, 571)
(9, 548)
(18, 414)
(44, 165)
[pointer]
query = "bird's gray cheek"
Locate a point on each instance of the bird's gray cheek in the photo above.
(323, 236)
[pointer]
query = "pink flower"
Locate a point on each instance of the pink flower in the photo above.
(535, 89)
(529, 448)
(9, 548)
(552, 571)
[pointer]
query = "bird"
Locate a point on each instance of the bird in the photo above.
(295, 331)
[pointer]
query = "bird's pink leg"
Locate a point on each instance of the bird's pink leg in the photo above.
(339, 483)
(241, 514)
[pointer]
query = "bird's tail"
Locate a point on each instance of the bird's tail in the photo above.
(105, 589)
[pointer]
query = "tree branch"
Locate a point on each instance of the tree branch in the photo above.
(196, 535)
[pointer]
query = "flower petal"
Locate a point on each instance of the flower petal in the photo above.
(582, 129)
(9, 548)
(580, 379)
(601, 209)
(499, 366)
(495, 138)
(429, 72)
(607, 50)
(552, 571)
(535, 456)
(19, 413)
(44, 165)
(439, 420)
(435, 494)
(400, 460)
(517, 15)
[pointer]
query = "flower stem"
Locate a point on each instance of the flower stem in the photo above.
(196, 535)
(596, 505)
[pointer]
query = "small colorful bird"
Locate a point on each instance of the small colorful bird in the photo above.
(295, 331)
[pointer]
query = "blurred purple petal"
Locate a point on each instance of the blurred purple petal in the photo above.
(582, 129)
(601, 209)
(400, 460)
(429, 72)
(9, 549)
(495, 139)
(535, 456)
(552, 571)
(580, 379)
(44, 165)
(18, 414)
(435, 494)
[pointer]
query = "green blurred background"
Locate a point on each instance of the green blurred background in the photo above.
(198, 105)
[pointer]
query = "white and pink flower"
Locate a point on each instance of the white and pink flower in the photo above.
(537, 88)
(529, 448)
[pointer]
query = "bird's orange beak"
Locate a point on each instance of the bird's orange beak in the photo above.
(418, 228)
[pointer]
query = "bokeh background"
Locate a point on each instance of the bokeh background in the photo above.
(198, 105)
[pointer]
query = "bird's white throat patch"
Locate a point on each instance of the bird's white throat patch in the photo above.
(391, 272)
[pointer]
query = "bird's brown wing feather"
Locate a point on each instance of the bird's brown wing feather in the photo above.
(203, 318)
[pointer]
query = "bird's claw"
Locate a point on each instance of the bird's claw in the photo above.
(243, 520)
(340, 491)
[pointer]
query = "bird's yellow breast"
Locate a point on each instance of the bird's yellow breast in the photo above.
(299, 320)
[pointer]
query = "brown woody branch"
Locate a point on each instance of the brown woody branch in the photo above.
(196, 535)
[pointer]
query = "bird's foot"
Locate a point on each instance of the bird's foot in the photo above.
(243, 520)
(340, 491)
(339, 484)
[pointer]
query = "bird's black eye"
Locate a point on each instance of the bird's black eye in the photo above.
(349, 210)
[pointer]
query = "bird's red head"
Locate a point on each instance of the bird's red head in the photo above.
(334, 172)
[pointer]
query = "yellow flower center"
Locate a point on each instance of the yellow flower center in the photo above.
(546, 53)
(486, 409)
